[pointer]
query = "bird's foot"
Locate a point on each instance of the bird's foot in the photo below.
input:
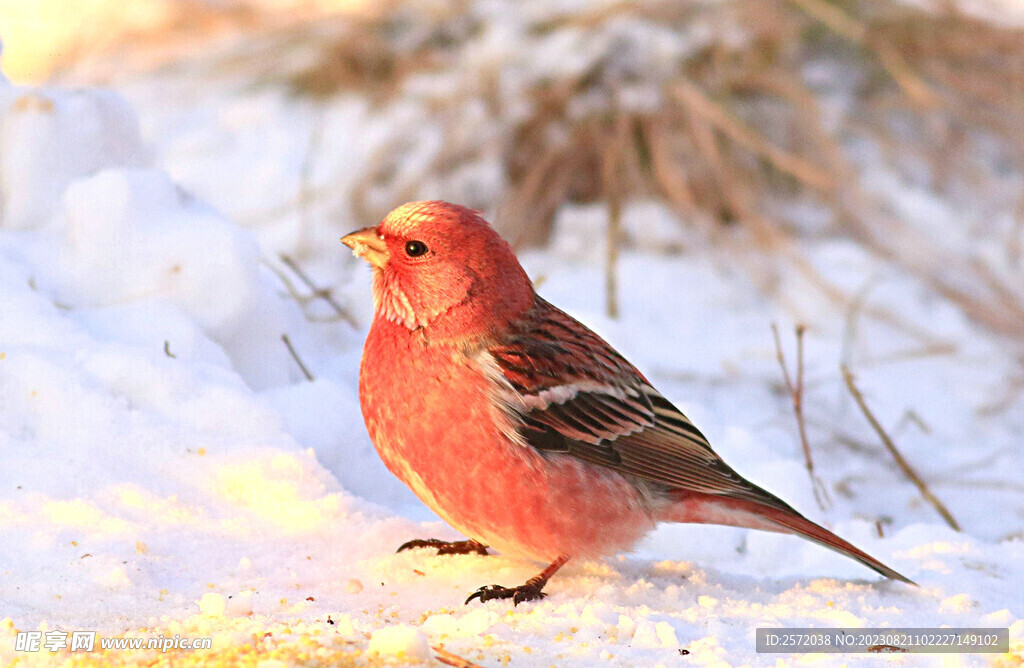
(531, 591)
(446, 547)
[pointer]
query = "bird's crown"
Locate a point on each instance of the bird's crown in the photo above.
(409, 217)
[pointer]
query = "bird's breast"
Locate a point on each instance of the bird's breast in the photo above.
(429, 414)
(432, 417)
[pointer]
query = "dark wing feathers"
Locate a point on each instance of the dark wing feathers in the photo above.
(575, 394)
(568, 391)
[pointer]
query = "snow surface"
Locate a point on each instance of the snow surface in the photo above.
(168, 469)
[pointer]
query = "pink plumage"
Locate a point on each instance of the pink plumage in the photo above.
(519, 426)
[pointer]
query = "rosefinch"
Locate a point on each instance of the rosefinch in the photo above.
(519, 426)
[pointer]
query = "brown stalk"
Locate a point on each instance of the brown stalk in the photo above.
(796, 393)
(525, 198)
(1015, 239)
(449, 659)
(800, 169)
(852, 30)
(1010, 396)
(853, 199)
(901, 461)
(734, 204)
(295, 356)
(318, 292)
(671, 178)
(611, 176)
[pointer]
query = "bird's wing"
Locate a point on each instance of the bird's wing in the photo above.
(569, 391)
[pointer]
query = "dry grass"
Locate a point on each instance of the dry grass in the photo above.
(375, 53)
(795, 387)
(897, 456)
(767, 113)
(739, 133)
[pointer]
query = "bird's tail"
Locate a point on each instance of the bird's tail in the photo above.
(713, 509)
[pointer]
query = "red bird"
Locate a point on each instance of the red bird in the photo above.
(519, 426)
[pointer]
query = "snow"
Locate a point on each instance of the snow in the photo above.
(168, 469)
(399, 642)
(132, 233)
(213, 605)
(53, 137)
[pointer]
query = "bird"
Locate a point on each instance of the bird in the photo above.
(518, 425)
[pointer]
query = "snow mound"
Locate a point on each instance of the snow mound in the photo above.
(131, 236)
(73, 162)
(50, 138)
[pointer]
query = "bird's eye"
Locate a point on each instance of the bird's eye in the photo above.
(415, 248)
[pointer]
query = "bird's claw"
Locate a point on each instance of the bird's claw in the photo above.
(417, 543)
(446, 547)
(520, 594)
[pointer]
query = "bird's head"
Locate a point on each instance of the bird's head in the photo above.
(441, 268)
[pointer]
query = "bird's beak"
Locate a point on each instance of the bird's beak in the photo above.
(367, 244)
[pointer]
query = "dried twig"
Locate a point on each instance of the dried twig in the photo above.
(301, 299)
(849, 28)
(1010, 396)
(802, 170)
(910, 416)
(796, 393)
(289, 286)
(295, 356)
(318, 292)
(733, 118)
(449, 659)
(670, 176)
(896, 455)
(613, 189)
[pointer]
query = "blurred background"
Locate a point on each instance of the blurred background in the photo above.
(747, 126)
